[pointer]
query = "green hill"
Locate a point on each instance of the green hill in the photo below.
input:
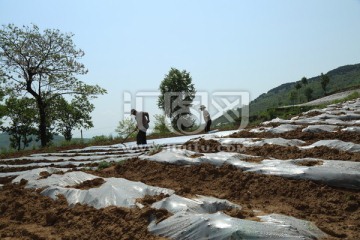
(341, 79)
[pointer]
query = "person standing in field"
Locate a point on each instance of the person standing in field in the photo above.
(207, 118)
(142, 124)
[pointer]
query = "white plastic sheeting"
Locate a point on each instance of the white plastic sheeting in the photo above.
(258, 142)
(200, 204)
(68, 179)
(186, 157)
(152, 142)
(320, 128)
(336, 144)
(351, 129)
(283, 128)
(199, 218)
(185, 225)
(115, 191)
(332, 172)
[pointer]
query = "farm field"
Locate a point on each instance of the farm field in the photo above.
(290, 179)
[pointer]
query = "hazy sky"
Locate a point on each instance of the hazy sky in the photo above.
(237, 45)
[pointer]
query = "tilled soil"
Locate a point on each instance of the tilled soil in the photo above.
(309, 137)
(25, 214)
(335, 211)
(272, 151)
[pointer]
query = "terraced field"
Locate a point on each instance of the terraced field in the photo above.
(285, 179)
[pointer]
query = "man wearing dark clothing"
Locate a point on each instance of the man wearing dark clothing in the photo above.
(142, 124)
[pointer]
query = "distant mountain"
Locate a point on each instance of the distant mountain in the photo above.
(341, 79)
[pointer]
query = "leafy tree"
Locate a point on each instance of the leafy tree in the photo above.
(293, 96)
(308, 94)
(177, 94)
(298, 86)
(74, 115)
(304, 81)
(44, 65)
(126, 128)
(160, 124)
(324, 82)
(21, 127)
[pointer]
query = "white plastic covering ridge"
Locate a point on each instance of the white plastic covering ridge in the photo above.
(320, 128)
(67, 179)
(351, 129)
(283, 128)
(336, 144)
(200, 204)
(114, 192)
(331, 172)
(219, 226)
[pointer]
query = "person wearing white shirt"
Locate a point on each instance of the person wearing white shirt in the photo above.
(207, 118)
(142, 124)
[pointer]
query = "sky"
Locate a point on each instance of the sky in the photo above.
(247, 46)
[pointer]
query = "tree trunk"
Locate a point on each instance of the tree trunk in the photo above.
(41, 107)
(42, 124)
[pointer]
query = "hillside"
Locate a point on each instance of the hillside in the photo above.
(341, 79)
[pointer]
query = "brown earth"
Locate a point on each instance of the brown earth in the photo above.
(305, 136)
(25, 214)
(272, 151)
(335, 211)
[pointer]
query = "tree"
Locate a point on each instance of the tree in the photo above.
(2, 107)
(44, 65)
(126, 128)
(298, 87)
(304, 81)
(308, 94)
(293, 96)
(324, 82)
(22, 125)
(74, 115)
(177, 94)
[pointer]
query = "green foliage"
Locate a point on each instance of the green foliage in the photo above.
(308, 94)
(126, 128)
(69, 116)
(44, 65)
(2, 107)
(342, 78)
(102, 165)
(161, 126)
(102, 139)
(155, 148)
(293, 95)
(177, 94)
(324, 82)
(304, 81)
(22, 119)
